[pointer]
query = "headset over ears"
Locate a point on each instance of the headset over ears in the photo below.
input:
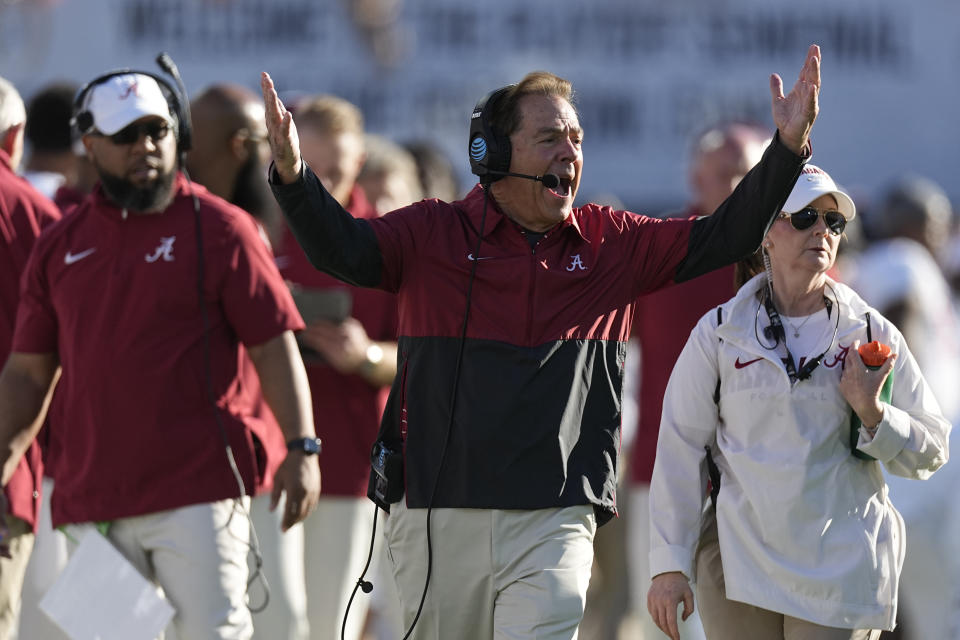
(489, 149)
(83, 122)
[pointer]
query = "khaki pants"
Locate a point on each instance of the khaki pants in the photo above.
(285, 616)
(496, 574)
(198, 555)
(12, 570)
(730, 620)
(48, 559)
(337, 541)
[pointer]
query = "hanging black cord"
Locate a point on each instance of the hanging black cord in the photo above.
(363, 584)
(453, 406)
(254, 543)
(777, 333)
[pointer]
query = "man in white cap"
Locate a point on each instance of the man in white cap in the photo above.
(145, 299)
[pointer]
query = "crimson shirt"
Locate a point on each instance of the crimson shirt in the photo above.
(115, 296)
(346, 408)
(24, 211)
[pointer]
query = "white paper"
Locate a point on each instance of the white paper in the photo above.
(101, 596)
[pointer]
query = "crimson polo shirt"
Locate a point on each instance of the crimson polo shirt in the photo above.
(115, 297)
(346, 408)
(662, 323)
(537, 419)
(24, 211)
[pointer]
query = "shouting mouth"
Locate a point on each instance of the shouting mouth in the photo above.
(562, 190)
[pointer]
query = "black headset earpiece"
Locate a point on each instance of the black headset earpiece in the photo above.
(82, 119)
(489, 149)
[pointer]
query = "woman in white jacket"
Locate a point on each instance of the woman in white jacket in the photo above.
(802, 541)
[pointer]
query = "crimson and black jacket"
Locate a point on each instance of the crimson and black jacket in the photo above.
(537, 413)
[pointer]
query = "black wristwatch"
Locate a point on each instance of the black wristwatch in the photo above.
(309, 446)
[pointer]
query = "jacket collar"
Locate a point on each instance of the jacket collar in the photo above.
(740, 314)
(472, 205)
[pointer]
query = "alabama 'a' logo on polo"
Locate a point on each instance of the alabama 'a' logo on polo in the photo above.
(576, 264)
(164, 250)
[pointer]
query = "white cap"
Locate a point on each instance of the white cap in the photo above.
(125, 98)
(813, 183)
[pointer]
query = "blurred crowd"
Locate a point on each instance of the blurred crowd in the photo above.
(902, 255)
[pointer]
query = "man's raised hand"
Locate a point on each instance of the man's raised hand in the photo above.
(795, 112)
(281, 133)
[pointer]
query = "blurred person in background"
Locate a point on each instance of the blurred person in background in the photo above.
(720, 157)
(51, 162)
(530, 470)
(230, 153)
(899, 275)
(56, 161)
(438, 177)
(389, 174)
(229, 157)
(24, 212)
(350, 351)
(799, 539)
(390, 181)
(177, 513)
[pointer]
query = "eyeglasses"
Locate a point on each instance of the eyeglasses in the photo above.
(807, 217)
(154, 129)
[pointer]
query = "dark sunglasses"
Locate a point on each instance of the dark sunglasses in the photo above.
(807, 217)
(154, 129)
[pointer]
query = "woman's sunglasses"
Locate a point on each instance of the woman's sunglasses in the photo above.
(807, 217)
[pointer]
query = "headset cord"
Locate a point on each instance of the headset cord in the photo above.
(365, 585)
(453, 406)
(254, 543)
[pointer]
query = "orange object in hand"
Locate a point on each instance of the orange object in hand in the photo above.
(874, 354)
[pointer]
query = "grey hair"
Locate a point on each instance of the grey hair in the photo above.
(12, 110)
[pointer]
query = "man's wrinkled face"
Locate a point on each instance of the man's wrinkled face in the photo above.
(548, 141)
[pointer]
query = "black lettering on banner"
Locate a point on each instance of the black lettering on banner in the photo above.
(608, 115)
(857, 38)
(246, 25)
(618, 31)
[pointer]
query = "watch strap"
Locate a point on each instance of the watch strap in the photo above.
(309, 446)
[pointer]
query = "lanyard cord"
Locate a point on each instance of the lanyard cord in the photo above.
(777, 333)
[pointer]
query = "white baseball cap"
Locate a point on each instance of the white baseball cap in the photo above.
(813, 183)
(125, 98)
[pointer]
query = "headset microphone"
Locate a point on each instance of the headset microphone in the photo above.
(186, 127)
(549, 180)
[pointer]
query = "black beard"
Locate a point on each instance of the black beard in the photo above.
(127, 195)
(251, 192)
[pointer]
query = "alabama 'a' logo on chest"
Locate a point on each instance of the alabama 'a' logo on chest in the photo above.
(163, 251)
(575, 263)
